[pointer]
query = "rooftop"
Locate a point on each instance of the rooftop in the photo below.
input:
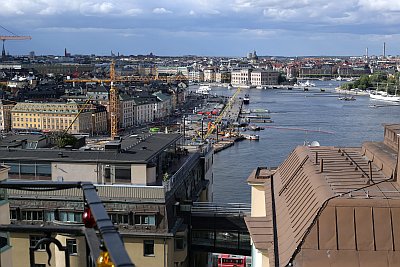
(134, 149)
(314, 201)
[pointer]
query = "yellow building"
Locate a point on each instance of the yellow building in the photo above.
(51, 117)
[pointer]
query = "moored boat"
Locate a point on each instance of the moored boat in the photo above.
(246, 99)
(383, 96)
(254, 137)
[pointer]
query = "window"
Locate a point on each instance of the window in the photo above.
(13, 215)
(148, 247)
(72, 247)
(145, 219)
(180, 243)
(70, 216)
(49, 216)
(32, 215)
(119, 218)
(34, 239)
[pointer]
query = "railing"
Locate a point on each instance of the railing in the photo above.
(106, 228)
(181, 174)
(105, 192)
(239, 209)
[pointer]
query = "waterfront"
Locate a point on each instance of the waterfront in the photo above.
(342, 123)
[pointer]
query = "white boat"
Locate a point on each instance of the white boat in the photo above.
(246, 99)
(305, 84)
(254, 137)
(203, 89)
(383, 96)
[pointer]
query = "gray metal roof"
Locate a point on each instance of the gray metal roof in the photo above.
(133, 150)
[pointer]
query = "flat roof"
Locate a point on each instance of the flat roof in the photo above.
(134, 149)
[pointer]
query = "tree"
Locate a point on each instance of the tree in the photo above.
(66, 140)
(281, 78)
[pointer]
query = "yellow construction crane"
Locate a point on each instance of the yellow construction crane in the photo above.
(114, 99)
(135, 78)
(11, 37)
(222, 114)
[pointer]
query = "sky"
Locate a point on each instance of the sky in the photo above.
(203, 27)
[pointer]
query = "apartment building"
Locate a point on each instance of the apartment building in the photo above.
(52, 117)
(5, 114)
(126, 104)
(209, 75)
(163, 105)
(144, 109)
(241, 77)
(196, 76)
(260, 77)
(328, 206)
(130, 180)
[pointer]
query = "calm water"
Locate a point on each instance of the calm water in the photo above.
(347, 123)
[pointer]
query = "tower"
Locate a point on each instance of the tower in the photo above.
(384, 50)
(3, 52)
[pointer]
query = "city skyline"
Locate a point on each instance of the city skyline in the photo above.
(209, 28)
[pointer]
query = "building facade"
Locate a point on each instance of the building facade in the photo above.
(141, 190)
(5, 115)
(241, 77)
(260, 77)
(52, 117)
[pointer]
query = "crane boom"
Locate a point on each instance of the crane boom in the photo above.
(222, 114)
(4, 37)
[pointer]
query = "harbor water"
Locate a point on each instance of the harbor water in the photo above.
(298, 117)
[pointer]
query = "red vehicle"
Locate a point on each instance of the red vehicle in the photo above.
(226, 260)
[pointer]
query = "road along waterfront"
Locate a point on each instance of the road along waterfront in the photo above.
(298, 117)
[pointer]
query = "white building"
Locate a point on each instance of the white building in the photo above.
(144, 110)
(240, 77)
(126, 111)
(196, 76)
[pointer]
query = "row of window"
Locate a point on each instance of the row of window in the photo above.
(71, 244)
(34, 126)
(76, 217)
(47, 216)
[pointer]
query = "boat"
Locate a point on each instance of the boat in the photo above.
(246, 99)
(254, 137)
(322, 89)
(254, 128)
(203, 89)
(305, 84)
(259, 110)
(347, 98)
(384, 96)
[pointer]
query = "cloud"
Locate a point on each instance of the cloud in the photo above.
(161, 10)
(252, 19)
